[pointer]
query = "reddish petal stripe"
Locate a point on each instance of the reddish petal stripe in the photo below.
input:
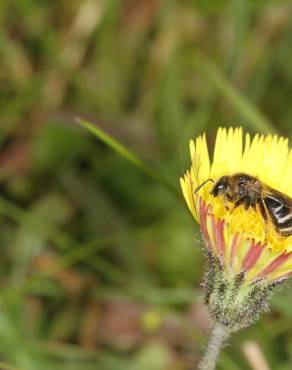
(234, 246)
(214, 235)
(275, 264)
(218, 227)
(252, 256)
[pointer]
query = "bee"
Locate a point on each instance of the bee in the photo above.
(249, 191)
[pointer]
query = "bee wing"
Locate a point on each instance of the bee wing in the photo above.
(279, 208)
(276, 198)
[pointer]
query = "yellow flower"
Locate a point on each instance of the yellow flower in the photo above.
(239, 238)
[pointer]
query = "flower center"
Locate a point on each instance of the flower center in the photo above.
(248, 222)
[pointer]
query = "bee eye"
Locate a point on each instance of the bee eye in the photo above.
(241, 183)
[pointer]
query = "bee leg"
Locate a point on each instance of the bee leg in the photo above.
(247, 203)
(226, 205)
(244, 200)
(264, 213)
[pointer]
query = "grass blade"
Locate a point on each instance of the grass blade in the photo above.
(128, 155)
(254, 118)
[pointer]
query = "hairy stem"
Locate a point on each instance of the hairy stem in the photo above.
(217, 338)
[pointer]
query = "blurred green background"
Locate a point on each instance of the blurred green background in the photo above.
(101, 265)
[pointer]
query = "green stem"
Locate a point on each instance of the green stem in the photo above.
(217, 338)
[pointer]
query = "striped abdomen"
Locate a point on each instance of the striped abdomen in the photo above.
(279, 208)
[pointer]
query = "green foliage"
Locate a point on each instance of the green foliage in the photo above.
(94, 234)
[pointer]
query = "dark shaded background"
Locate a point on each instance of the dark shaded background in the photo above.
(100, 264)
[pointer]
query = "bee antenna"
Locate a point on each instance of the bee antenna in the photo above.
(203, 183)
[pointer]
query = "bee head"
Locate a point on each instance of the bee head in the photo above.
(236, 187)
(221, 186)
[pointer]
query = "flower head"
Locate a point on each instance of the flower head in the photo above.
(240, 238)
